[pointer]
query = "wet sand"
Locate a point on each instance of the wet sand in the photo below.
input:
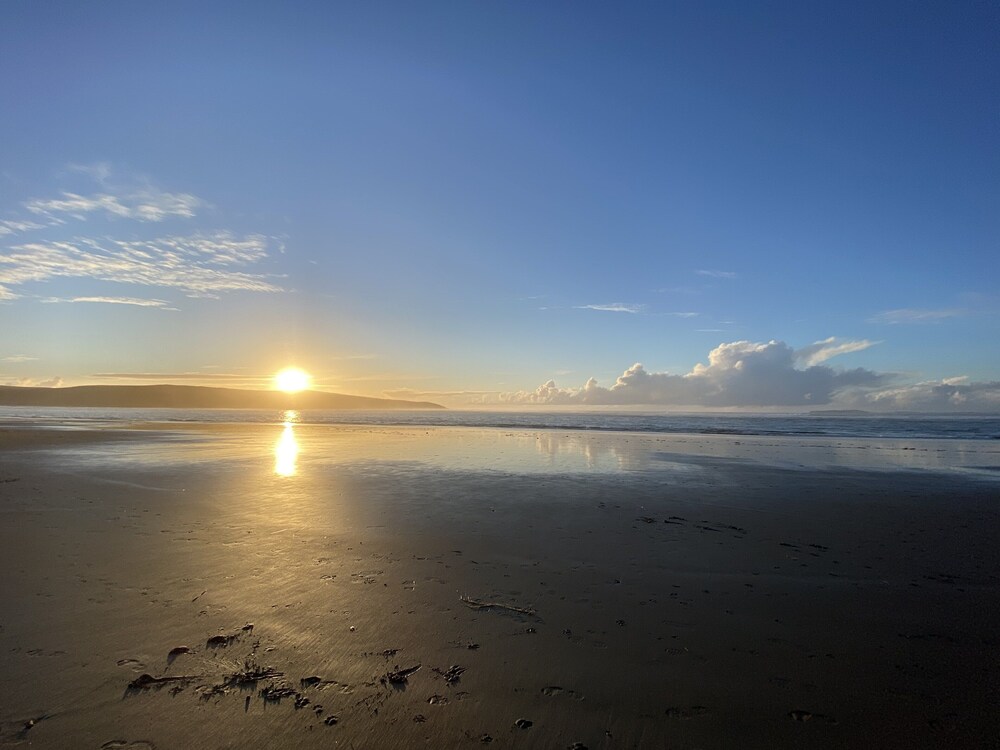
(260, 586)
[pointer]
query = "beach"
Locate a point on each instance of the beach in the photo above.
(301, 586)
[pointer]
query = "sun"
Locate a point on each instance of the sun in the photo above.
(292, 380)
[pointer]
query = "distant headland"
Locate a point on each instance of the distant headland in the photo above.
(194, 397)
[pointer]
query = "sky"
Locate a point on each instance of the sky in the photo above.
(770, 205)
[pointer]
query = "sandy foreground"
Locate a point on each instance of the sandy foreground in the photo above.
(285, 587)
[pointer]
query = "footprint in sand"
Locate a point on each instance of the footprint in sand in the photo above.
(553, 690)
(125, 745)
(804, 716)
(133, 663)
(686, 712)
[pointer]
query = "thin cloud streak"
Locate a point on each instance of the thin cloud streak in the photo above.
(135, 301)
(716, 274)
(55, 382)
(414, 394)
(180, 376)
(821, 351)
(910, 315)
(616, 307)
(146, 205)
(11, 226)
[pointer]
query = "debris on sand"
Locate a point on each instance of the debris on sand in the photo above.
(398, 676)
(523, 723)
(275, 693)
(146, 681)
(452, 674)
(221, 641)
(480, 604)
(252, 672)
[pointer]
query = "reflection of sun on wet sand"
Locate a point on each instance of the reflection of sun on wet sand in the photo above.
(286, 452)
(451, 588)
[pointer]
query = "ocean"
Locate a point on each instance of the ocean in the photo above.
(908, 427)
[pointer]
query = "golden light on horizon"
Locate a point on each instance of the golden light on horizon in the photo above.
(292, 380)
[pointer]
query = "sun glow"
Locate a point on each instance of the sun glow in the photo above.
(292, 380)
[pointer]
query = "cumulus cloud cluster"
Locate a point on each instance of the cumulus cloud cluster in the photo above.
(949, 394)
(741, 373)
(198, 265)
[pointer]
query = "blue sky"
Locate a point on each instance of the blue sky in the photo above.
(462, 201)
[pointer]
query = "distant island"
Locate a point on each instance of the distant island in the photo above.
(194, 397)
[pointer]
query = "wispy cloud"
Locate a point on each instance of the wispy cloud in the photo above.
(716, 274)
(32, 382)
(149, 204)
(11, 226)
(682, 314)
(19, 358)
(414, 394)
(344, 357)
(99, 172)
(617, 307)
(911, 315)
(166, 376)
(136, 301)
(198, 265)
(821, 351)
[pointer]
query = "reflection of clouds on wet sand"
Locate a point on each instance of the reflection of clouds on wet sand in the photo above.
(604, 453)
(557, 448)
(283, 449)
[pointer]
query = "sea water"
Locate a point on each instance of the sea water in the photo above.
(938, 427)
